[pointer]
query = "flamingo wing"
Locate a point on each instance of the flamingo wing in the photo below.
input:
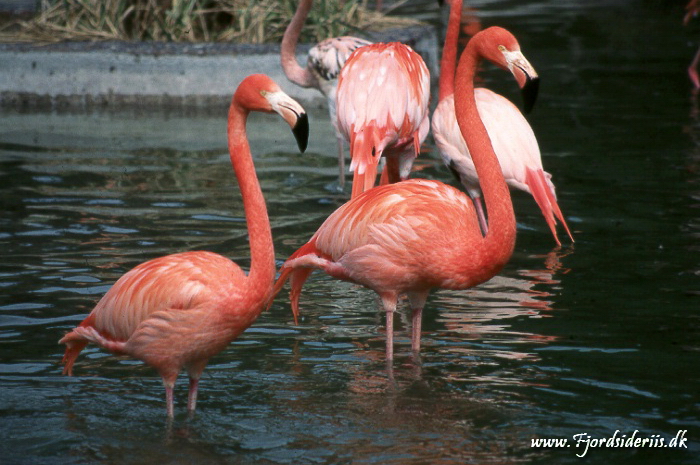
(153, 299)
(452, 147)
(519, 154)
(179, 281)
(512, 137)
(376, 217)
(389, 235)
(514, 143)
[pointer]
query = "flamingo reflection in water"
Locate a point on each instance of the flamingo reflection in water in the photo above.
(692, 9)
(471, 330)
(477, 347)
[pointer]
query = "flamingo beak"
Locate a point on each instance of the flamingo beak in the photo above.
(293, 113)
(301, 131)
(525, 75)
(530, 91)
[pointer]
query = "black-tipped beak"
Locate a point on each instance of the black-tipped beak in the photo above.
(301, 131)
(530, 90)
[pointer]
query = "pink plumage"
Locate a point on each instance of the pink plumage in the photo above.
(177, 311)
(382, 109)
(512, 137)
(417, 235)
(323, 66)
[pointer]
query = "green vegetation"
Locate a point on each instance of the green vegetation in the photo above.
(239, 21)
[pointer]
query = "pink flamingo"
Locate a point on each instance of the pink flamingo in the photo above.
(323, 65)
(382, 109)
(416, 235)
(512, 137)
(177, 311)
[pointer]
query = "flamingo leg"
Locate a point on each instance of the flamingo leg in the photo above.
(389, 301)
(384, 178)
(479, 206)
(392, 170)
(389, 335)
(341, 162)
(192, 395)
(195, 372)
(416, 329)
(169, 402)
(417, 301)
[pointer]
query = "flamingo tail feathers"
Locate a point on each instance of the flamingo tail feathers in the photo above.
(416, 142)
(547, 201)
(77, 339)
(479, 207)
(73, 349)
(365, 154)
(75, 343)
(559, 214)
(297, 277)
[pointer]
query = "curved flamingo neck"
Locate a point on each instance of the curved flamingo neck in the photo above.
(448, 61)
(300, 76)
(262, 254)
(500, 239)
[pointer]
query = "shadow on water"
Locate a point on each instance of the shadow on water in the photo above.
(589, 338)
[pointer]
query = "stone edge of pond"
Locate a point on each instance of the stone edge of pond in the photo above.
(118, 75)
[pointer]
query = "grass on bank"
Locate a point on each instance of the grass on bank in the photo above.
(237, 21)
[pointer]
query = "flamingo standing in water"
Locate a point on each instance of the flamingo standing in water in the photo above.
(323, 65)
(416, 235)
(179, 310)
(512, 137)
(382, 109)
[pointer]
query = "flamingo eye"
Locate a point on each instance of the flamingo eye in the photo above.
(502, 48)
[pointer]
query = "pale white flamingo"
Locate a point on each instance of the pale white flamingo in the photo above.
(177, 311)
(323, 65)
(417, 235)
(512, 137)
(382, 109)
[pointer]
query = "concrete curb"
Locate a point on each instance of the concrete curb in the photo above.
(81, 75)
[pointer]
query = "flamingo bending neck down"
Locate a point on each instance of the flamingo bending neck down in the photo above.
(416, 235)
(512, 137)
(382, 109)
(179, 310)
(323, 66)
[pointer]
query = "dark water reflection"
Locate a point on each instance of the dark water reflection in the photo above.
(591, 338)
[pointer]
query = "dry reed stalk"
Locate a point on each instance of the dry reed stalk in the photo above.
(244, 21)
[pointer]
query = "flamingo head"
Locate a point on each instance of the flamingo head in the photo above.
(259, 92)
(501, 47)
